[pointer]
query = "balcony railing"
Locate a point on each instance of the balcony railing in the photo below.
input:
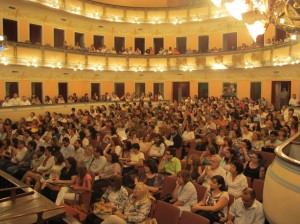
(45, 56)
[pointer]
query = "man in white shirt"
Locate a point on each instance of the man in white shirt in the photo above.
(73, 136)
(18, 155)
(7, 102)
(16, 101)
(246, 209)
(98, 162)
(294, 101)
(79, 151)
(25, 101)
(212, 170)
(67, 149)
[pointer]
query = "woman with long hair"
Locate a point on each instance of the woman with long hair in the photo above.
(214, 205)
(83, 182)
(136, 209)
(67, 176)
(193, 166)
(184, 195)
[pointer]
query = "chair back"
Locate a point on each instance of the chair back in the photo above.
(166, 213)
(201, 190)
(258, 187)
(192, 218)
(169, 183)
(269, 157)
(249, 181)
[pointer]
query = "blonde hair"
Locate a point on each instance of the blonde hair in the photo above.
(144, 192)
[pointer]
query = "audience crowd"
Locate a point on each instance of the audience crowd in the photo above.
(99, 148)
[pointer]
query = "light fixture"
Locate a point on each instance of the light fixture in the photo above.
(4, 60)
(118, 68)
(187, 68)
(282, 61)
(281, 13)
(76, 10)
(256, 29)
(3, 43)
(217, 3)
(78, 67)
(55, 4)
(158, 69)
(57, 65)
(98, 68)
(33, 62)
(248, 64)
(219, 66)
(237, 8)
(176, 21)
(138, 69)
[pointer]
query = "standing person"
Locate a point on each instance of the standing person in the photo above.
(294, 101)
(284, 97)
(246, 209)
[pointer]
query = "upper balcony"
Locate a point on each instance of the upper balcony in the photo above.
(34, 55)
(156, 12)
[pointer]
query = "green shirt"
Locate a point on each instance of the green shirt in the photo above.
(172, 166)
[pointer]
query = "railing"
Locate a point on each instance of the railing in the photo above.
(283, 151)
(281, 54)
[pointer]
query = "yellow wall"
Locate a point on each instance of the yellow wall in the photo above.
(23, 32)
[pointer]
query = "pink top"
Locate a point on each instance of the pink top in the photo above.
(87, 178)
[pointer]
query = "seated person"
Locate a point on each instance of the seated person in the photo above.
(169, 164)
(115, 197)
(67, 177)
(246, 209)
(235, 180)
(83, 182)
(150, 177)
(214, 205)
(136, 209)
(184, 195)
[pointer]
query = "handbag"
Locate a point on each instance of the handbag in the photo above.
(102, 208)
(149, 221)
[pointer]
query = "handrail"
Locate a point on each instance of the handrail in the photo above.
(280, 150)
(44, 47)
(39, 214)
(13, 188)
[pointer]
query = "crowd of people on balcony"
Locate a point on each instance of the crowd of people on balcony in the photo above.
(34, 100)
(171, 51)
(54, 151)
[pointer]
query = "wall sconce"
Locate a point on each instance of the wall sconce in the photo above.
(187, 68)
(248, 64)
(295, 60)
(282, 61)
(96, 15)
(33, 62)
(219, 66)
(57, 65)
(76, 10)
(156, 20)
(138, 69)
(55, 4)
(3, 43)
(118, 69)
(136, 20)
(98, 68)
(4, 60)
(158, 69)
(78, 67)
(176, 21)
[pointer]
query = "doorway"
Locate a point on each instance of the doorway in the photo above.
(281, 93)
(181, 91)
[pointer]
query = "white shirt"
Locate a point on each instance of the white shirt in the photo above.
(15, 101)
(25, 103)
(188, 136)
(294, 102)
(20, 154)
(237, 186)
(136, 157)
(254, 214)
(207, 180)
(7, 104)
